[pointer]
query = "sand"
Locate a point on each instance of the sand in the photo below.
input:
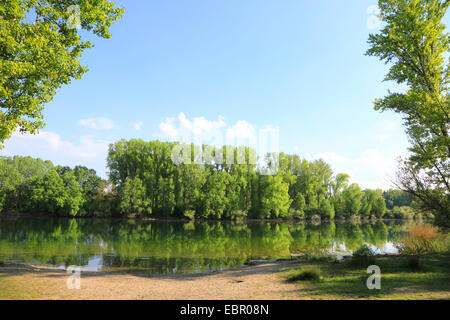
(262, 281)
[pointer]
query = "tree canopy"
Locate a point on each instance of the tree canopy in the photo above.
(415, 44)
(144, 181)
(40, 50)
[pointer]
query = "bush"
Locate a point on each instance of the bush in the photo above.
(296, 214)
(363, 252)
(403, 212)
(238, 215)
(323, 259)
(190, 214)
(363, 256)
(423, 239)
(306, 273)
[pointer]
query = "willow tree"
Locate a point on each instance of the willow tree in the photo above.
(40, 50)
(415, 44)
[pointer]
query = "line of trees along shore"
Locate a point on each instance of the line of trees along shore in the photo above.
(145, 182)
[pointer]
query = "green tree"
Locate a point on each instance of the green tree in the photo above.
(414, 41)
(352, 200)
(373, 203)
(74, 197)
(132, 198)
(40, 50)
(379, 207)
(338, 185)
(397, 198)
(326, 209)
(44, 194)
(214, 195)
(299, 202)
(275, 200)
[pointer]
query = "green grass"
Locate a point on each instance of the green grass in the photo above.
(323, 259)
(399, 279)
(306, 273)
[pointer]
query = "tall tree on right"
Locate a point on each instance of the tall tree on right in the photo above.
(413, 40)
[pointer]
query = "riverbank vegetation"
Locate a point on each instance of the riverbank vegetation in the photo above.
(399, 280)
(145, 182)
(421, 270)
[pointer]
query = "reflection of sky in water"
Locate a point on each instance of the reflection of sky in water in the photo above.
(340, 249)
(95, 264)
(388, 247)
(164, 248)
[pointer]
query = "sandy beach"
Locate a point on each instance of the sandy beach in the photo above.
(261, 281)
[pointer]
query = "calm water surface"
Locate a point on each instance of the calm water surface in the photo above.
(176, 247)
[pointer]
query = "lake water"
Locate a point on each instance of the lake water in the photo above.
(156, 247)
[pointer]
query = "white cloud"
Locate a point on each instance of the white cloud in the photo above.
(167, 129)
(331, 157)
(217, 132)
(50, 146)
(383, 137)
(201, 129)
(241, 130)
(370, 169)
(138, 126)
(199, 126)
(97, 123)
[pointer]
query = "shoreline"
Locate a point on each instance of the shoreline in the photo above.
(240, 283)
(260, 281)
(178, 219)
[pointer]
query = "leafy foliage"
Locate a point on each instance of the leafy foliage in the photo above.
(40, 52)
(220, 189)
(415, 43)
(36, 186)
(363, 256)
(145, 181)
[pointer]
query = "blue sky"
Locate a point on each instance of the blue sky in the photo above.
(233, 66)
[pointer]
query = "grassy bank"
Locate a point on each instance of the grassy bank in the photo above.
(325, 278)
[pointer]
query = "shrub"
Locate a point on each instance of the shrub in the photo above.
(403, 212)
(423, 239)
(325, 259)
(363, 252)
(190, 214)
(363, 256)
(306, 273)
(238, 215)
(296, 214)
